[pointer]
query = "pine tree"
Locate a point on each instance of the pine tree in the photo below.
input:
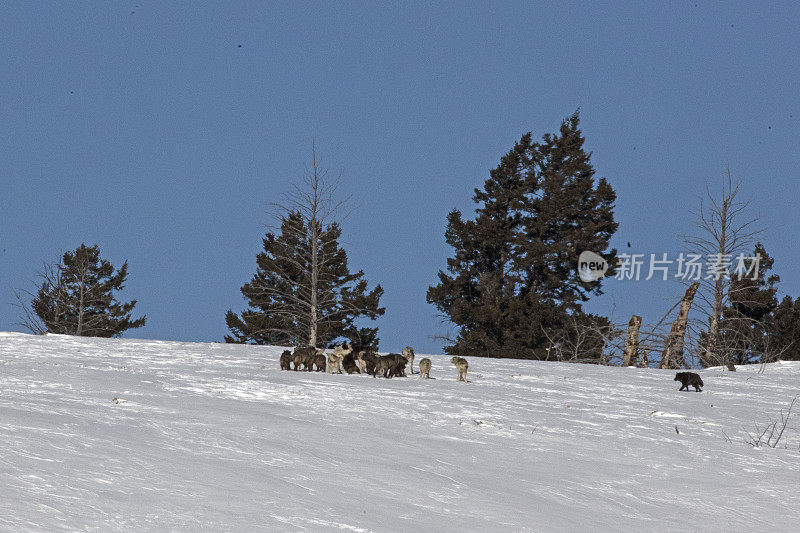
(303, 293)
(77, 296)
(747, 318)
(483, 285)
(784, 331)
(279, 294)
(513, 276)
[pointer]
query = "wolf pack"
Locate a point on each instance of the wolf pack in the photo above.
(355, 359)
(365, 360)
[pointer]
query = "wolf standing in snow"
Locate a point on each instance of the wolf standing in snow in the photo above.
(425, 368)
(689, 378)
(350, 365)
(400, 362)
(390, 366)
(335, 359)
(334, 363)
(408, 353)
(359, 351)
(367, 361)
(319, 361)
(304, 356)
(461, 368)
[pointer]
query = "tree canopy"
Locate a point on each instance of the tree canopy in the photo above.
(514, 273)
(77, 296)
(286, 285)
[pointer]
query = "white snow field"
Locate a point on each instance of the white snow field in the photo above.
(214, 437)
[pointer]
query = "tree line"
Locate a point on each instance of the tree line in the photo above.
(510, 289)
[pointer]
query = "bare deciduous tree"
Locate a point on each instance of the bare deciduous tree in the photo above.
(29, 319)
(586, 340)
(607, 344)
(314, 200)
(724, 231)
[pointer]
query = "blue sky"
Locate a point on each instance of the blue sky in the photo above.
(162, 131)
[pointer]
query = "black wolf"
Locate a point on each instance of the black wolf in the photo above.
(689, 378)
(304, 356)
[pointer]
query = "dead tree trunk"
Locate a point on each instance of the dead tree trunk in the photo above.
(314, 227)
(710, 352)
(724, 232)
(673, 351)
(632, 346)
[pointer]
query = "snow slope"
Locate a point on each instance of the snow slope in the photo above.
(214, 437)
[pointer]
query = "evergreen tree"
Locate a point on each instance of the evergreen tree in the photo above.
(747, 317)
(77, 296)
(514, 273)
(784, 332)
(279, 294)
(303, 293)
(483, 285)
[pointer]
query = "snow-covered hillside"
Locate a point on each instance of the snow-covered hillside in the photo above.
(110, 435)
